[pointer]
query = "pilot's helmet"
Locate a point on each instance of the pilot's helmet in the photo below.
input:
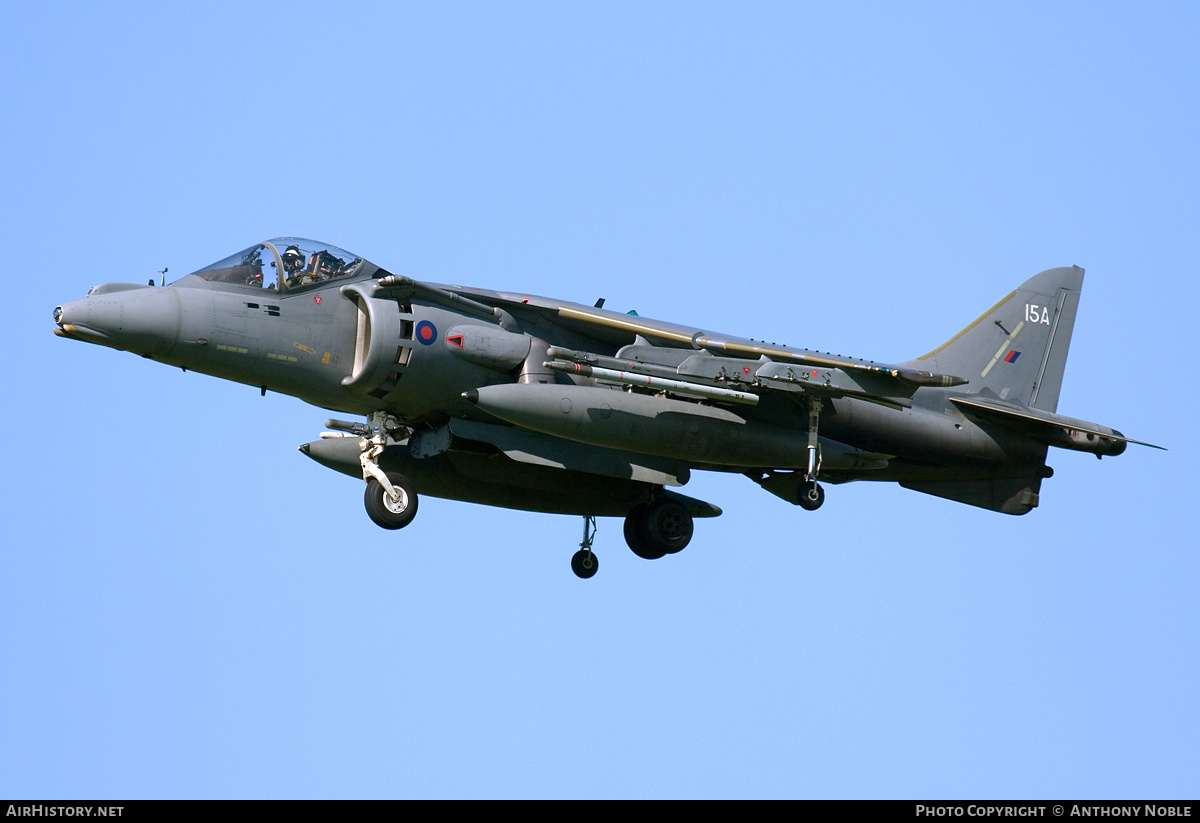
(292, 257)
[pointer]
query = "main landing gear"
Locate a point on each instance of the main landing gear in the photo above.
(658, 528)
(653, 530)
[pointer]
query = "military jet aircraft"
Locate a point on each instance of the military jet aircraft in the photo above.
(533, 403)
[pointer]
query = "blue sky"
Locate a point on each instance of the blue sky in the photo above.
(192, 608)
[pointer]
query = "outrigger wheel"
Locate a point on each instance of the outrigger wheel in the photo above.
(810, 495)
(389, 512)
(584, 563)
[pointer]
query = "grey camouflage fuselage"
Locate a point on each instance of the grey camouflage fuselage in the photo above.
(534, 403)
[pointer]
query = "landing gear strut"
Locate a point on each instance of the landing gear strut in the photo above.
(810, 495)
(390, 499)
(584, 563)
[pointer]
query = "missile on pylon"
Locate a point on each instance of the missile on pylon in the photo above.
(630, 378)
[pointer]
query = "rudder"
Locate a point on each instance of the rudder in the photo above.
(1017, 348)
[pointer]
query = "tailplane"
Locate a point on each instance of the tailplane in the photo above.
(1018, 347)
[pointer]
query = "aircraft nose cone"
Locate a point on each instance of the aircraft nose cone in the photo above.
(69, 316)
(140, 320)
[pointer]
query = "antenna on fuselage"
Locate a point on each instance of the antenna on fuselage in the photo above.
(162, 280)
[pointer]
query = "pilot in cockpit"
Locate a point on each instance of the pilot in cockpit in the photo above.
(293, 267)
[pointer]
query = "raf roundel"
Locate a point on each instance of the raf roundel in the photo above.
(426, 333)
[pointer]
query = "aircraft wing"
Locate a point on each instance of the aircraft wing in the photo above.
(719, 361)
(735, 347)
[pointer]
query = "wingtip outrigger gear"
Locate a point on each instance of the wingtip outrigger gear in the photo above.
(584, 562)
(810, 496)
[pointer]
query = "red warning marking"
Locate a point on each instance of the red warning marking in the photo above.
(745, 369)
(456, 339)
(317, 299)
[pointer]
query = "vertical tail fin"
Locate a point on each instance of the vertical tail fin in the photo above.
(1018, 347)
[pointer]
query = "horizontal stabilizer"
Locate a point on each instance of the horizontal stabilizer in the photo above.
(1054, 429)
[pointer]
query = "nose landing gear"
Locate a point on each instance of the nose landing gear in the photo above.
(390, 499)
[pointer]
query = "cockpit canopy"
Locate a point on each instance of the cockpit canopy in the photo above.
(286, 264)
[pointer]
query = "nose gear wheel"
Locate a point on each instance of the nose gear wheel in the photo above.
(393, 510)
